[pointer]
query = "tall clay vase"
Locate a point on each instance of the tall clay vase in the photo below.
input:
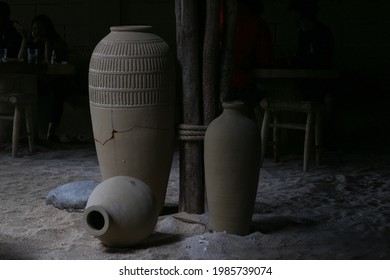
(131, 94)
(232, 166)
(121, 212)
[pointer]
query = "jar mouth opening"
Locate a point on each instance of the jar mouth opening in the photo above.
(236, 104)
(96, 220)
(133, 28)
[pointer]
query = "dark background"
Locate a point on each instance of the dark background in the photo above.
(360, 27)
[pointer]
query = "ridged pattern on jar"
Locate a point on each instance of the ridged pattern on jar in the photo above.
(135, 74)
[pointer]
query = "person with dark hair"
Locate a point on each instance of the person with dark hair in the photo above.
(51, 48)
(45, 39)
(315, 40)
(10, 39)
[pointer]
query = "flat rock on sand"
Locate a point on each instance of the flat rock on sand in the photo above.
(72, 196)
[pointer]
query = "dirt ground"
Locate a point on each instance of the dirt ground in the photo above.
(340, 210)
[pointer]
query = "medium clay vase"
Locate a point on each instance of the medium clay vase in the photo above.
(121, 212)
(232, 166)
(131, 94)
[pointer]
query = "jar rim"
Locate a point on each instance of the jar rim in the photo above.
(236, 104)
(133, 28)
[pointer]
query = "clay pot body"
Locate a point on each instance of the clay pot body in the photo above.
(131, 93)
(121, 211)
(232, 166)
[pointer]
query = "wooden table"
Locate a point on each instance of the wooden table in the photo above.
(19, 67)
(293, 85)
(18, 87)
(296, 74)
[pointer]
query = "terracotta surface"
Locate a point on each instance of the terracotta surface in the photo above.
(121, 211)
(131, 91)
(232, 166)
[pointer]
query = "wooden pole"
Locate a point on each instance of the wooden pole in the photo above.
(230, 16)
(211, 51)
(191, 197)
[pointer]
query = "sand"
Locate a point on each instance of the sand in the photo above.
(340, 210)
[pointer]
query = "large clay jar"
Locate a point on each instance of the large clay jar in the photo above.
(121, 212)
(232, 166)
(131, 94)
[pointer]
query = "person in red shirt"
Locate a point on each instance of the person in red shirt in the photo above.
(252, 47)
(252, 44)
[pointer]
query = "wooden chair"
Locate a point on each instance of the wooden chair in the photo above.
(313, 110)
(20, 92)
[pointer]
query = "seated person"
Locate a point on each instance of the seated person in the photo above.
(252, 48)
(47, 41)
(315, 40)
(10, 39)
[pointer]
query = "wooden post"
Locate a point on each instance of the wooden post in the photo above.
(211, 51)
(230, 16)
(191, 198)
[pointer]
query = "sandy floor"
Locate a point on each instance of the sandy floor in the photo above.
(338, 211)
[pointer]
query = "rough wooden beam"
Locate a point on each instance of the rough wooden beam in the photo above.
(191, 198)
(211, 51)
(230, 16)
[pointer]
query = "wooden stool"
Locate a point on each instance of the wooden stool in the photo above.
(20, 92)
(313, 123)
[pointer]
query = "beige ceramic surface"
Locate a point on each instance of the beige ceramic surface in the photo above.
(131, 91)
(121, 211)
(232, 165)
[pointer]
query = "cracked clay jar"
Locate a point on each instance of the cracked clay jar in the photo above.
(131, 94)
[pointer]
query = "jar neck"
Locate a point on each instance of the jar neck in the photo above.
(237, 106)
